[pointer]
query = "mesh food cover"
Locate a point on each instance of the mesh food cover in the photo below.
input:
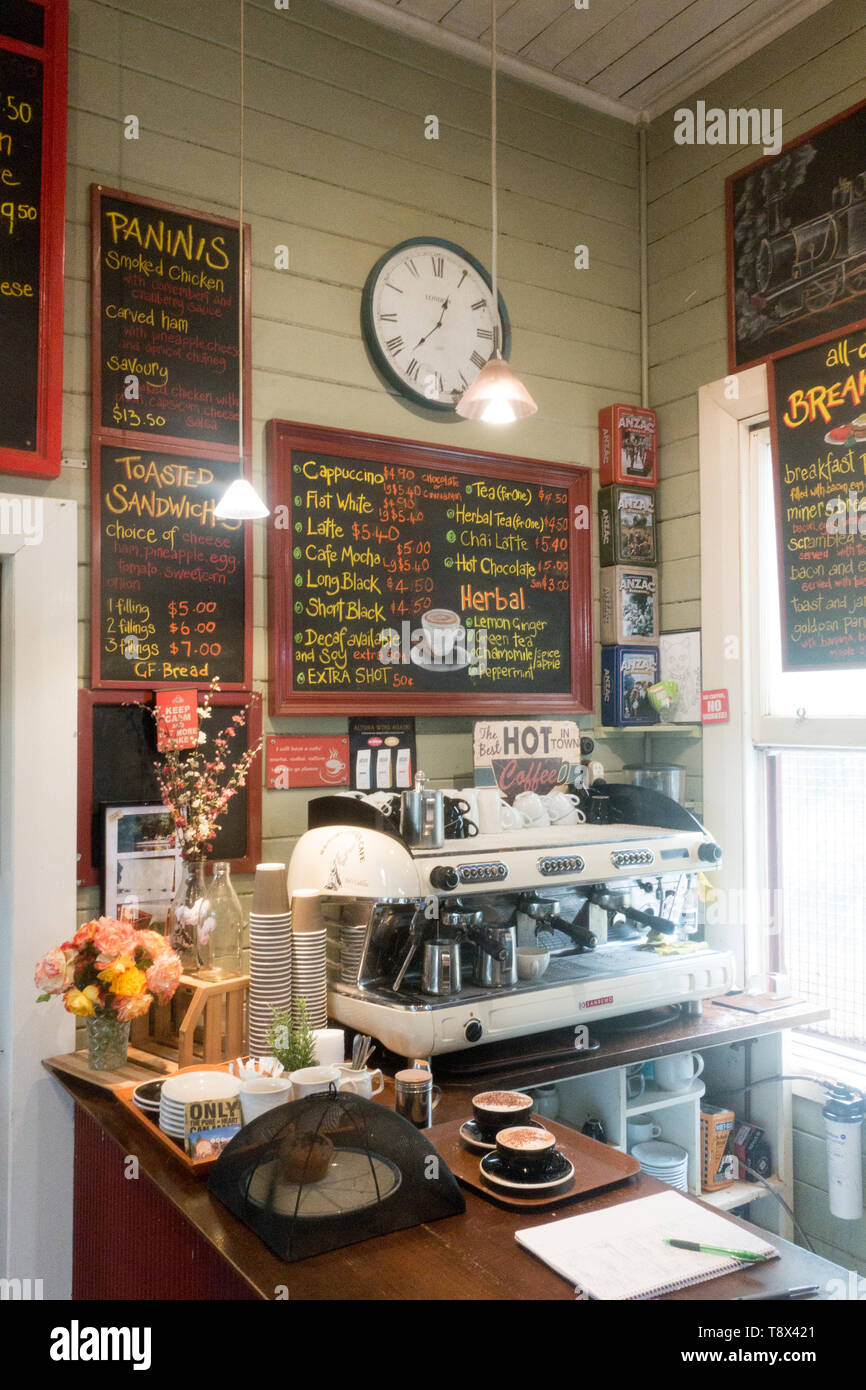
(331, 1170)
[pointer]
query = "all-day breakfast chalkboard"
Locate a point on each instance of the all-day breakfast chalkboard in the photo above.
(796, 232)
(409, 577)
(171, 584)
(166, 325)
(32, 178)
(818, 424)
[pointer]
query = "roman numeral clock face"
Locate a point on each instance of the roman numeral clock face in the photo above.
(428, 319)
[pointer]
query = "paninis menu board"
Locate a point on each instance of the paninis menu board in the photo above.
(425, 579)
(32, 178)
(818, 418)
(166, 326)
(171, 582)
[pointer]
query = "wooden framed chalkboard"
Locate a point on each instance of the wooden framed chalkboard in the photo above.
(171, 585)
(32, 197)
(116, 753)
(796, 241)
(407, 577)
(166, 330)
(818, 427)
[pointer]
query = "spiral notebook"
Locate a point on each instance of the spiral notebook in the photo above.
(620, 1253)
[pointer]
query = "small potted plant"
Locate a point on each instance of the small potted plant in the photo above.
(291, 1040)
(109, 974)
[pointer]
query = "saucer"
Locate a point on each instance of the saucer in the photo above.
(457, 660)
(471, 1136)
(557, 1173)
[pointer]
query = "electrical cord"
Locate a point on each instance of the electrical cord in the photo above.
(780, 1199)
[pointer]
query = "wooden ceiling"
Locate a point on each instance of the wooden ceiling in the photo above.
(633, 58)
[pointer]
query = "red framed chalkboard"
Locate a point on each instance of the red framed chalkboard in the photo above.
(116, 751)
(404, 576)
(32, 198)
(166, 284)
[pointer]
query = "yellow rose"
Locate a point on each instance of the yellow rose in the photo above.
(113, 968)
(130, 983)
(79, 1002)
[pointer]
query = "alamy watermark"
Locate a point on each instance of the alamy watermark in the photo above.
(737, 126)
(22, 516)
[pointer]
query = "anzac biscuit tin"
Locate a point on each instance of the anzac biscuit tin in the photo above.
(626, 676)
(629, 605)
(628, 445)
(627, 525)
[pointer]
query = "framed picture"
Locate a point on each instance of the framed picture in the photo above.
(140, 863)
(796, 241)
(116, 756)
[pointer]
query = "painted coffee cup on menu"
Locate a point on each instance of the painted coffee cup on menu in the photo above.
(525, 1147)
(496, 1110)
(442, 628)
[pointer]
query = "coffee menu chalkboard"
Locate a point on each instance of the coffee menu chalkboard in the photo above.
(32, 174)
(818, 421)
(171, 595)
(409, 577)
(166, 328)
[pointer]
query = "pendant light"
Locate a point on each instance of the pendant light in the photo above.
(496, 396)
(240, 501)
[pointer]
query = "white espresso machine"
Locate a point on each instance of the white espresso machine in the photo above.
(595, 896)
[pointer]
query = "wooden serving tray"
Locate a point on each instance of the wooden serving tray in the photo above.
(596, 1166)
(139, 1067)
(197, 1166)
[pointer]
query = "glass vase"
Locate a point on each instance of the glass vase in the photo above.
(186, 912)
(220, 927)
(107, 1042)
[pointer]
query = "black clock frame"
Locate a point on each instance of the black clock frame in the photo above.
(380, 360)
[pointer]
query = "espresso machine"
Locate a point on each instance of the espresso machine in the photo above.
(438, 927)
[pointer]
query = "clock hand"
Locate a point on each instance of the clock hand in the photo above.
(435, 326)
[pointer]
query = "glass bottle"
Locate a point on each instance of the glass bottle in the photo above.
(185, 912)
(220, 926)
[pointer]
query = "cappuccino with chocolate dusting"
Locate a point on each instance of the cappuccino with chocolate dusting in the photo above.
(502, 1100)
(526, 1138)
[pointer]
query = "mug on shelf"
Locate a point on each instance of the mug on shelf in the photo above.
(641, 1129)
(677, 1073)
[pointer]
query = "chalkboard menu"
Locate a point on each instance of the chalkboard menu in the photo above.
(166, 326)
(171, 596)
(409, 577)
(32, 174)
(818, 421)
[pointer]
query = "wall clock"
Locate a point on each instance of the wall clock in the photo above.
(427, 317)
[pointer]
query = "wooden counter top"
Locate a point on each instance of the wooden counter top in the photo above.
(469, 1256)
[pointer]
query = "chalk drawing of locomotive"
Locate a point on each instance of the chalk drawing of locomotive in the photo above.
(803, 269)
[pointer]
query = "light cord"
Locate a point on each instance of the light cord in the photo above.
(494, 191)
(241, 257)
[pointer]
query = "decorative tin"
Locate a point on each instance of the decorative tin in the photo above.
(629, 605)
(628, 445)
(627, 526)
(626, 676)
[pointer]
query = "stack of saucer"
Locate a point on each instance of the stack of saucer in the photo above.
(309, 958)
(351, 950)
(667, 1162)
(187, 1086)
(270, 954)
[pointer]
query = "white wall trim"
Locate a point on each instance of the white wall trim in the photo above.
(38, 693)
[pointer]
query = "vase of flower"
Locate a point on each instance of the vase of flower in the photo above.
(220, 926)
(186, 913)
(107, 1042)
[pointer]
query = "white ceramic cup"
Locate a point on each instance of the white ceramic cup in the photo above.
(563, 808)
(369, 1083)
(510, 818)
(634, 1085)
(442, 628)
(310, 1081)
(489, 803)
(642, 1130)
(532, 808)
(532, 961)
(261, 1093)
(677, 1073)
(470, 796)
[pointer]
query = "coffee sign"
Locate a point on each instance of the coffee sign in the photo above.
(526, 756)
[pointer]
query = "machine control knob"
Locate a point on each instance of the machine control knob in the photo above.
(710, 853)
(444, 878)
(472, 1030)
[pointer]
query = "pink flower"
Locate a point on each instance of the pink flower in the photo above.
(51, 973)
(163, 975)
(134, 1006)
(113, 938)
(84, 934)
(152, 942)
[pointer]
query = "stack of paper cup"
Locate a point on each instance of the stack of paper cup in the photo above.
(270, 954)
(309, 958)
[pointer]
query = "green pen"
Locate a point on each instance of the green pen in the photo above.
(752, 1256)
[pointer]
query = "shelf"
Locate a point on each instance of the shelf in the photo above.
(688, 731)
(655, 1099)
(739, 1193)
